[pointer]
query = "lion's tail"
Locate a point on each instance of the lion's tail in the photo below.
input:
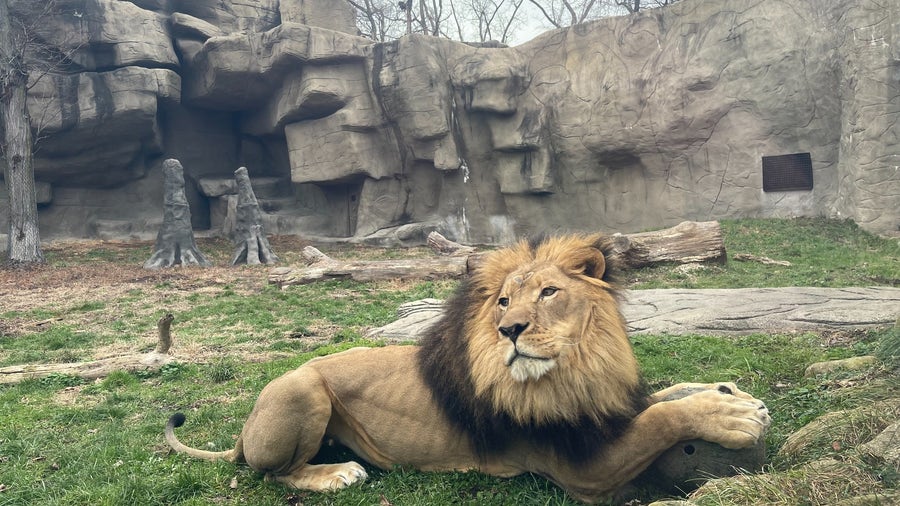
(177, 420)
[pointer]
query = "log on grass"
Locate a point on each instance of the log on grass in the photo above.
(321, 267)
(94, 369)
(443, 246)
(687, 242)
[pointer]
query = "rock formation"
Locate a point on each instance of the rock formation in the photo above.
(621, 124)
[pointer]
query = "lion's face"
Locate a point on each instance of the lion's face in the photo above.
(544, 337)
(539, 318)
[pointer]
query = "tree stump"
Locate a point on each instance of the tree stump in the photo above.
(251, 245)
(175, 241)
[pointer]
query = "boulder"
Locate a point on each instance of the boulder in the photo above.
(98, 128)
(230, 17)
(106, 34)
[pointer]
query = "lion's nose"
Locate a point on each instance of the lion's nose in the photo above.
(512, 332)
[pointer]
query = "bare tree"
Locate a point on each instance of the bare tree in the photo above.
(562, 13)
(380, 20)
(490, 19)
(464, 20)
(24, 241)
(26, 56)
(633, 6)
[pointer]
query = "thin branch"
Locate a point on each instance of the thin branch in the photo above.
(547, 16)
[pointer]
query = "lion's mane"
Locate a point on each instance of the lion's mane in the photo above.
(574, 410)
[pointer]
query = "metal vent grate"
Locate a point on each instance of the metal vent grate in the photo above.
(785, 173)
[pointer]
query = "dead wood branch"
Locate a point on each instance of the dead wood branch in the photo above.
(443, 246)
(322, 268)
(164, 327)
(688, 242)
(747, 257)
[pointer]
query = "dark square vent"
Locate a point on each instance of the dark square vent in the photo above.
(784, 173)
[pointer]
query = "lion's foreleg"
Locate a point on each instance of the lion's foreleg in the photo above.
(732, 419)
(684, 389)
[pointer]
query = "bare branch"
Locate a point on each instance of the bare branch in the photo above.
(549, 17)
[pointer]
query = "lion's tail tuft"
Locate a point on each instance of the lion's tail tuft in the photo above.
(176, 420)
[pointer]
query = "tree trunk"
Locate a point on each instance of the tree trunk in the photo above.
(24, 241)
(251, 245)
(175, 243)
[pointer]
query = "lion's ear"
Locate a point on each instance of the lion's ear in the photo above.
(594, 263)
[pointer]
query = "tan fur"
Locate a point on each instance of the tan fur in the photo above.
(575, 371)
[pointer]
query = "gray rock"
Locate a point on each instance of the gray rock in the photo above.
(189, 27)
(715, 311)
(247, 16)
(99, 128)
(107, 34)
(846, 364)
(885, 447)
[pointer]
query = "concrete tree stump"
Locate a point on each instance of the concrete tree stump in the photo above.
(175, 241)
(251, 245)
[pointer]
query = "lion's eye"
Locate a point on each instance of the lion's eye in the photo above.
(503, 301)
(547, 292)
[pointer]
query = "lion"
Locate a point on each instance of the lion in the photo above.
(530, 370)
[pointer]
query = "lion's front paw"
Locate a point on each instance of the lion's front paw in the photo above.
(324, 477)
(685, 389)
(723, 416)
(348, 474)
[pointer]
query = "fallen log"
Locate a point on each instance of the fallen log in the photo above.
(687, 242)
(321, 267)
(101, 368)
(443, 246)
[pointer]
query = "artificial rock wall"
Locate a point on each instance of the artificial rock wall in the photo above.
(620, 124)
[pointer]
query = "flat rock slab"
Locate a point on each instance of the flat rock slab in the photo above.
(714, 311)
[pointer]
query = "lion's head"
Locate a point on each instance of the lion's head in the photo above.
(533, 345)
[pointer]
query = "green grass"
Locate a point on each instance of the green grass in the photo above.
(106, 447)
(821, 252)
(68, 441)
